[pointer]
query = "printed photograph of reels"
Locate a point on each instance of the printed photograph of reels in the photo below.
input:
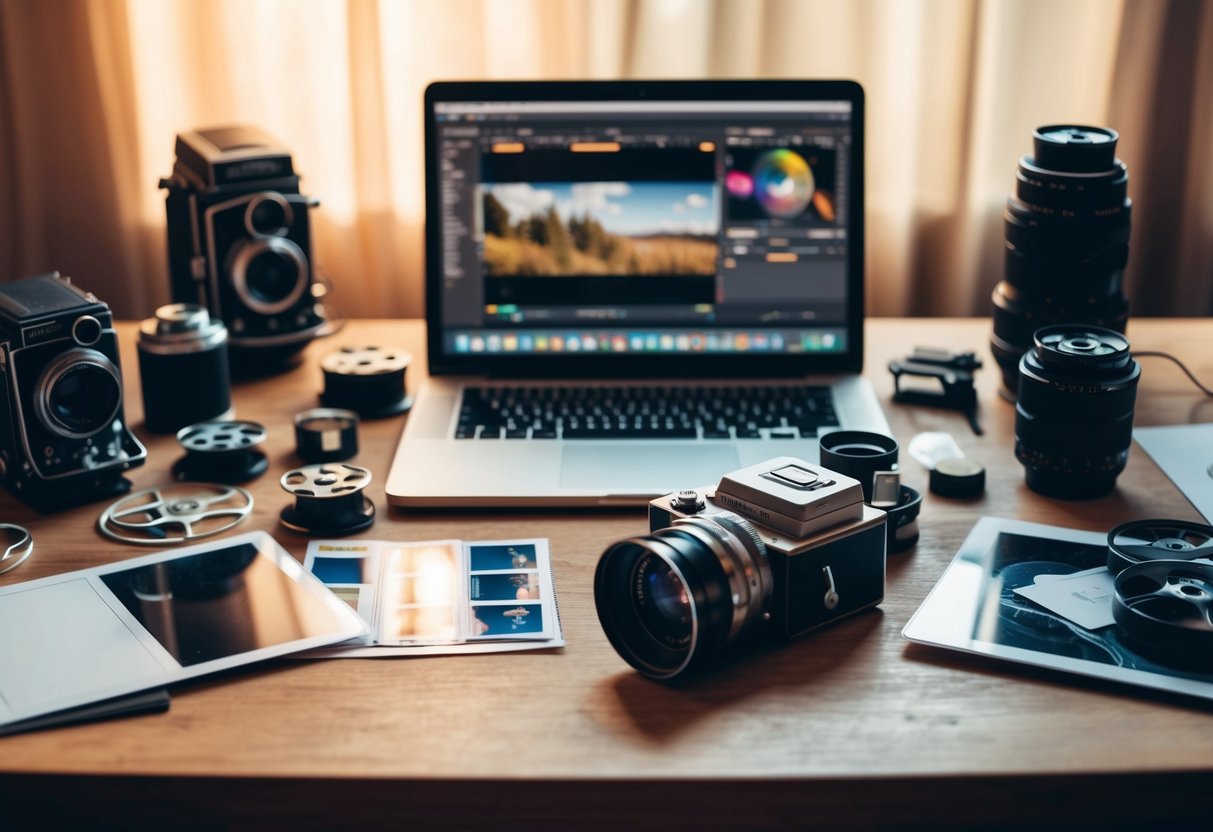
(1166, 608)
(328, 500)
(1141, 541)
(367, 380)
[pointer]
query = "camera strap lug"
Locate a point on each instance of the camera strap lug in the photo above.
(831, 597)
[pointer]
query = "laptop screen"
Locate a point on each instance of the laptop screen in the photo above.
(632, 228)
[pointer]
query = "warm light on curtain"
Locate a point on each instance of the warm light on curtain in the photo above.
(93, 92)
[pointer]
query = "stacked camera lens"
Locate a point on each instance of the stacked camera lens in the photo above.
(1074, 415)
(1067, 241)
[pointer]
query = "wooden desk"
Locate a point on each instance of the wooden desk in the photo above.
(851, 727)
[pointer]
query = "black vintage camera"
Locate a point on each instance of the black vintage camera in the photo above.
(806, 552)
(63, 439)
(239, 240)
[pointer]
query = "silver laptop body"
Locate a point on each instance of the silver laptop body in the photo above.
(594, 249)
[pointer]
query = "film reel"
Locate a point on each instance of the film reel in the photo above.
(368, 381)
(223, 452)
(1166, 606)
(1150, 540)
(19, 548)
(176, 513)
(328, 500)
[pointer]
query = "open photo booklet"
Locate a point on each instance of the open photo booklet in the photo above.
(441, 596)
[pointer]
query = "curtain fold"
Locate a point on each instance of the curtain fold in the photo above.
(92, 93)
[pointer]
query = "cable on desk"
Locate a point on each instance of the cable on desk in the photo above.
(1182, 366)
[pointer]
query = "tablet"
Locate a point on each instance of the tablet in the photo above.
(84, 636)
(994, 600)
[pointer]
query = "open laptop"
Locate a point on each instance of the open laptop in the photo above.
(634, 287)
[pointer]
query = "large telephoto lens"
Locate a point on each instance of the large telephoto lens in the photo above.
(669, 599)
(1074, 415)
(1067, 242)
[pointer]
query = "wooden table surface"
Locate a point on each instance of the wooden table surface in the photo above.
(851, 727)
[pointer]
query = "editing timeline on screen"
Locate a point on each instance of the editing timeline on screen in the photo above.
(666, 227)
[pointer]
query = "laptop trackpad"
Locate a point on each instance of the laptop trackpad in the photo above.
(618, 468)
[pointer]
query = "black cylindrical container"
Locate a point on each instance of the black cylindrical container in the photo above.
(1067, 242)
(1074, 415)
(183, 368)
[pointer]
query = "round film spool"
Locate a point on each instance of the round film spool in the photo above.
(326, 434)
(176, 513)
(367, 380)
(20, 546)
(223, 452)
(958, 477)
(1166, 608)
(328, 500)
(1150, 540)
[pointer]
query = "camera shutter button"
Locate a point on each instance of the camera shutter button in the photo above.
(688, 501)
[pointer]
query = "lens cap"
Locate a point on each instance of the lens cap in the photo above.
(1074, 148)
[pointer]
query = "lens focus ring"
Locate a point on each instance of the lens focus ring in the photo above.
(78, 394)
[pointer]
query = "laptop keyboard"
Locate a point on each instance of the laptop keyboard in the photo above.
(700, 412)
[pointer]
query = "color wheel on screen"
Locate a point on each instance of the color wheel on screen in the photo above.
(782, 183)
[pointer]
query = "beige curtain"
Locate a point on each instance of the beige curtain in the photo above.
(92, 93)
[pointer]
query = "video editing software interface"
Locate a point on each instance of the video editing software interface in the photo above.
(644, 226)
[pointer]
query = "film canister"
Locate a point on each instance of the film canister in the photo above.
(958, 477)
(326, 434)
(183, 368)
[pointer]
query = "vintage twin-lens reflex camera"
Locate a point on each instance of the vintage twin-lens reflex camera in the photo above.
(64, 440)
(239, 240)
(782, 547)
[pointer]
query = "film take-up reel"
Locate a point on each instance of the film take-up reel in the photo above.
(225, 452)
(328, 500)
(176, 513)
(368, 381)
(1163, 597)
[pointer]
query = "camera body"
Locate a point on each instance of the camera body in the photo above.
(779, 548)
(63, 436)
(239, 239)
(825, 547)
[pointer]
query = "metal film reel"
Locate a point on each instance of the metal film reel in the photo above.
(368, 381)
(328, 499)
(19, 548)
(1166, 606)
(176, 513)
(223, 452)
(1149, 540)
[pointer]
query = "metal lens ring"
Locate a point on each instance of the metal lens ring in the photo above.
(623, 595)
(177, 513)
(256, 214)
(742, 556)
(244, 284)
(18, 550)
(67, 396)
(1150, 540)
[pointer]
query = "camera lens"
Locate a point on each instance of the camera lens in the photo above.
(1067, 241)
(671, 598)
(267, 214)
(1074, 415)
(78, 394)
(269, 274)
